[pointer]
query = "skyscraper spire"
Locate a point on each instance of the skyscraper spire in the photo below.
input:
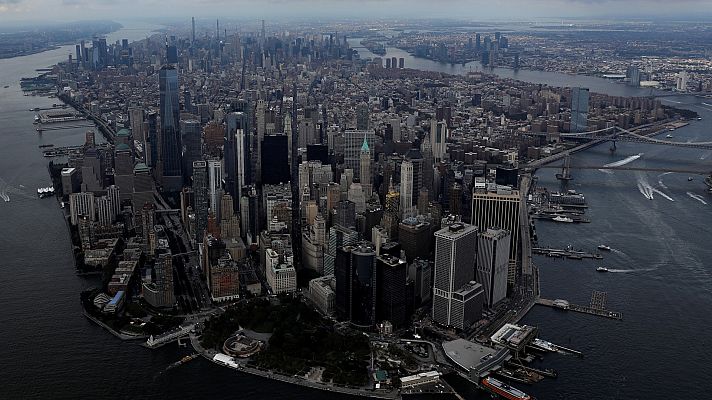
(364, 146)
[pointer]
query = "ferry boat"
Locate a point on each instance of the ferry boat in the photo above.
(561, 218)
(548, 346)
(45, 192)
(602, 269)
(504, 390)
(604, 247)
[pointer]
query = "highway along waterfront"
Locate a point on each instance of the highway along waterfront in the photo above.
(660, 280)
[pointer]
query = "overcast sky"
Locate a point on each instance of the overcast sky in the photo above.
(72, 10)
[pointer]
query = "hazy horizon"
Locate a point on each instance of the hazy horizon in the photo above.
(58, 11)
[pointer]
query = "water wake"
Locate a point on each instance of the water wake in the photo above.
(627, 271)
(697, 197)
(624, 161)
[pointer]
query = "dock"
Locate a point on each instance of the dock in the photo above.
(597, 306)
(566, 253)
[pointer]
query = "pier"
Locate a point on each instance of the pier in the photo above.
(566, 253)
(168, 337)
(597, 306)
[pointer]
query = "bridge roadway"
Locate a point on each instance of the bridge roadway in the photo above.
(700, 171)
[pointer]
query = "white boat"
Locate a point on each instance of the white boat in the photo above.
(604, 247)
(561, 218)
(669, 136)
(602, 269)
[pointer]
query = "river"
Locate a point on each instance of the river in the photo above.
(659, 350)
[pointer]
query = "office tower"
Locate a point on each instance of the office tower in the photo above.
(339, 236)
(420, 272)
(143, 186)
(78, 51)
(123, 170)
(492, 264)
(160, 293)
(170, 155)
(515, 62)
(455, 257)
(499, 209)
(414, 237)
(192, 35)
(438, 138)
(249, 215)
(362, 116)
(406, 189)
(356, 285)
(365, 169)
(81, 204)
(192, 144)
(114, 195)
(579, 109)
(455, 199)
(391, 214)
(294, 185)
(401, 63)
(353, 143)
(345, 214)
(136, 121)
(237, 154)
(681, 81)
(388, 63)
(93, 170)
(275, 163)
(150, 145)
(392, 302)
(394, 62)
(633, 75)
(105, 210)
(215, 187)
(201, 199)
(224, 280)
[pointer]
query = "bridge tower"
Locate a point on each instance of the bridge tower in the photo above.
(613, 146)
(565, 174)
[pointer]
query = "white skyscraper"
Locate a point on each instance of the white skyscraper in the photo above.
(492, 264)
(681, 81)
(454, 269)
(438, 138)
(406, 188)
(215, 185)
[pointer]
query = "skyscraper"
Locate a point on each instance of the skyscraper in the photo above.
(356, 284)
(362, 116)
(192, 144)
(170, 156)
(406, 188)
(215, 187)
(365, 169)
(454, 268)
(237, 154)
(353, 143)
(492, 261)
(391, 294)
(438, 138)
(200, 191)
(579, 109)
(499, 209)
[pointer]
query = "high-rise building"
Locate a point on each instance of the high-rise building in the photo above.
(362, 116)
(160, 292)
(365, 169)
(633, 75)
(339, 236)
(420, 272)
(192, 144)
(81, 204)
(215, 192)
(237, 154)
(123, 170)
(355, 274)
(392, 302)
(201, 199)
(143, 186)
(105, 210)
(414, 237)
(499, 209)
(579, 109)
(406, 189)
(275, 162)
(681, 81)
(455, 254)
(353, 143)
(438, 139)
(170, 155)
(492, 264)
(224, 280)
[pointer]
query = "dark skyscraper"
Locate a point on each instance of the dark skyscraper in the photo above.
(170, 158)
(579, 109)
(391, 298)
(355, 271)
(192, 151)
(275, 164)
